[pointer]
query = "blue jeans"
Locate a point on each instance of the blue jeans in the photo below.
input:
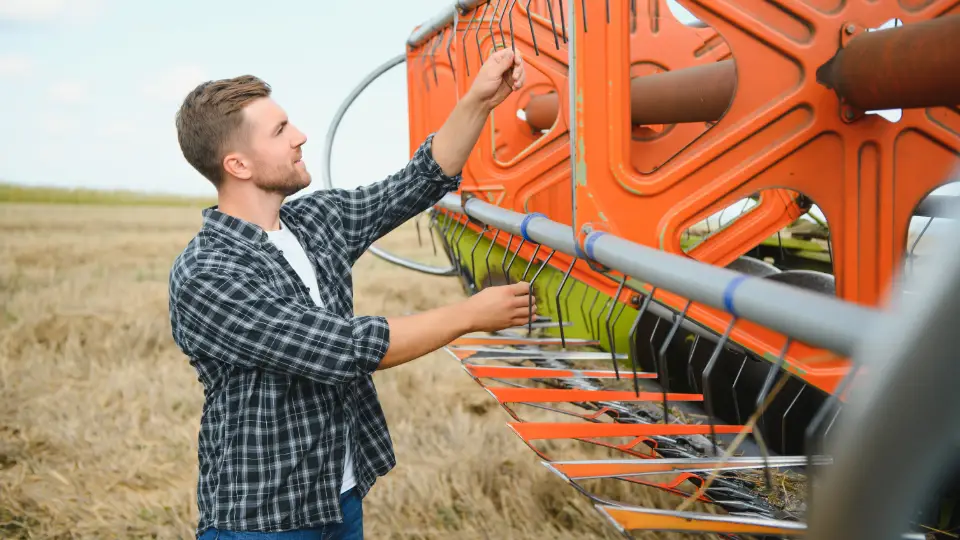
(351, 529)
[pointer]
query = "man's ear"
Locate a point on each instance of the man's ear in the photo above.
(237, 165)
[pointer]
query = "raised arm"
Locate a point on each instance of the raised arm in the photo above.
(371, 211)
(237, 319)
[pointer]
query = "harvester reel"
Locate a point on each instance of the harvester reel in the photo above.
(743, 350)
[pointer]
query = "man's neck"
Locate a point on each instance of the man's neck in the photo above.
(259, 208)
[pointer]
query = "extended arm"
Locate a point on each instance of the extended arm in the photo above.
(372, 211)
(492, 309)
(236, 319)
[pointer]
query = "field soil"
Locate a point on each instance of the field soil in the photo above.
(99, 410)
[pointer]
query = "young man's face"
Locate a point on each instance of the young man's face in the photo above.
(273, 149)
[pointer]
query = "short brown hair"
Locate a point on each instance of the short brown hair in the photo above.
(211, 117)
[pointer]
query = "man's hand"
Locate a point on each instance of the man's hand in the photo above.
(496, 308)
(500, 75)
(491, 309)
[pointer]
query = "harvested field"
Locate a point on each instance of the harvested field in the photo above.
(99, 409)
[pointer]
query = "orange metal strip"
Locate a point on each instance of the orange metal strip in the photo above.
(556, 395)
(508, 372)
(644, 466)
(497, 340)
(564, 430)
(643, 519)
(461, 354)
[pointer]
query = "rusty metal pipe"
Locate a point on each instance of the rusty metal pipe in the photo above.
(695, 94)
(916, 65)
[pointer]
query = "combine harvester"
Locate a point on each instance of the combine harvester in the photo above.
(714, 218)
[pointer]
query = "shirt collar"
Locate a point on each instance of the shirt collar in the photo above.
(240, 229)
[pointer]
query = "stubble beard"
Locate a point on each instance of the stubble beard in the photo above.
(285, 182)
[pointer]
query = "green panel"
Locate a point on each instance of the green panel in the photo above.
(576, 299)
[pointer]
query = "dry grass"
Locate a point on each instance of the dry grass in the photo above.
(99, 410)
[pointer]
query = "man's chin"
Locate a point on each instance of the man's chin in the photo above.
(290, 187)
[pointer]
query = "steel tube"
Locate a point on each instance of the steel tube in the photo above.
(695, 94)
(540, 229)
(442, 19)
(874, 488)
(813, 318)
(907, 67)
(816, 319)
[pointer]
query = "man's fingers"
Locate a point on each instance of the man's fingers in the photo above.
(523, 301)
(520, 288)
(503, 60)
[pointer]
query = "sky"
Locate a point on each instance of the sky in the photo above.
(89, 88)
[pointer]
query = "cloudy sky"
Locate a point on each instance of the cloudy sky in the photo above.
(89, 88)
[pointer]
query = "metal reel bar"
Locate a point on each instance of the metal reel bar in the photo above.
(327, 181)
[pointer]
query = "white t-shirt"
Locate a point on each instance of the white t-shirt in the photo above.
(293, 252)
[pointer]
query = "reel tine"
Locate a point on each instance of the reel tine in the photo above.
(506, 251)
(608, 11)
(503, 37)
(563, 24)
(453, 35)
(707, 371)
(812, 437)
(423, 62)
(473, 252)
(733, 390)
(613, 347)
(588, 317)
(466, 32)
(662, 358)
(532, 33)
(583, 10)
(530, 263)
(761, 397)
(442, 231)
(653, 351)
(783, 421)
(456, 243)
(513, 45)
(514, 258)
(566, 299)
(487, 258)
(556, 41)
(492, 17)
(532, 280)
(416, 223)
(563, 282)
(476, 34)
(693, 349)
(596, 335)
(433, 54)
(634, 352)
(431, 229)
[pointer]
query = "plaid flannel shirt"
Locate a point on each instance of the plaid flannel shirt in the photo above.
(282, 378)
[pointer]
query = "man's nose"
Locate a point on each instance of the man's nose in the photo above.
(299, 138)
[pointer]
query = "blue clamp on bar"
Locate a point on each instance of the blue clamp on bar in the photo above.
(525, 222)
(592, 239)
(728, 293)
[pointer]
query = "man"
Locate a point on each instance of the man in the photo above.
(292, 436)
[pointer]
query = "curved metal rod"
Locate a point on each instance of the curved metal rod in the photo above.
(326, 177)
